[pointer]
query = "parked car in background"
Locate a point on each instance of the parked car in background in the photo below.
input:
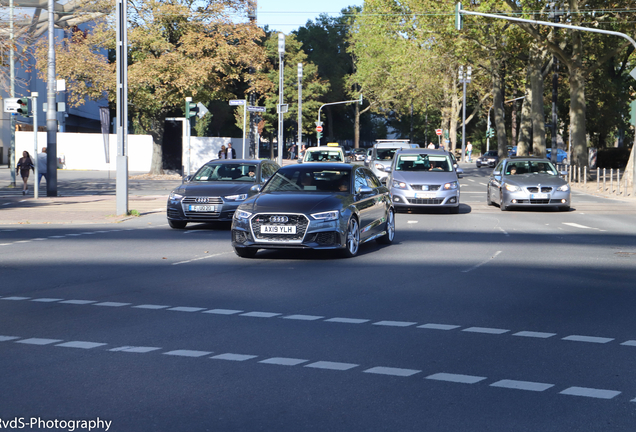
(359, 154)
(315, 206)
(489, 159)
(215, 191)
(381, 156)
(328, 153)
(527, 181)
(562, 156)
(424, 178)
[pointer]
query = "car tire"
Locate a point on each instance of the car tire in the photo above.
(564, 208)
(502, 205)
(245, 252)
(177, 224)
(478, 166)
(390, 229)
(352, 241)
(488, 200)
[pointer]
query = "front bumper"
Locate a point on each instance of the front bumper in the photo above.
(177, 210)
(310, 234)
(411, 198)
(523, 198)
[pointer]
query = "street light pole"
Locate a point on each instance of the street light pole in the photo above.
(12, 155)
(281, 67)
(300, 106)
(51, 109)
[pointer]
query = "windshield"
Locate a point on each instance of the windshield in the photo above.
(384, 153)
(530, 167)
(226, 172)
(491, 153)
(309, 180)
(423, 162)
(324, 156)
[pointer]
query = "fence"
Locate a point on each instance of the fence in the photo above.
(602, 180)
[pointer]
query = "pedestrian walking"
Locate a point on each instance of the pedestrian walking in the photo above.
(24, 165)
(302, 152)
(469, 151)
(293, 152)
(231, 153)
(42, 162)
(222, 152)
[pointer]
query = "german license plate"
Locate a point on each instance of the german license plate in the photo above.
(539, 196)
(426, 195)
(201, 208)
(278, 229)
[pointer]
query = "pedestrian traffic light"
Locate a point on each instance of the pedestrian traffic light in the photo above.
(191, 109)
(25, 106)
(318, 136)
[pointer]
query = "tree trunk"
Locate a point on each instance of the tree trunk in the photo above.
(498, 110)
(157, 127)
(525, 128)
(577, 104)
(356, 128)
(538, 113)
(513, 134)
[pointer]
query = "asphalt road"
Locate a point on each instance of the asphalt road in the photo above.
(481, 321)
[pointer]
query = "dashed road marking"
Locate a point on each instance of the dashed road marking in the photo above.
(112, 304)
(504, 231)
(47, 300)
(260, 314)
(78, 302)
(186, 309)
(438, 326)
(522, 385)
(590, 392)
(233, 357)
(303, 317)
(332, 365)
(200, 258)
(151, 306)
(591, 339)
(283, 361)
(348, 320)
(575, 225)
(8, 338)
(534, 334)
(38, 341)
(381, 370)
(135, 349)
(15, 298)
(482, 263)
(394, 323)
(223, 311)
(486, 330)
(629, 343)
(80, 344)
(188, 353)
(456, 378)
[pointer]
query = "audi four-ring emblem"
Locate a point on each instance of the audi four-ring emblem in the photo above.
(202, 200)
(278, 219)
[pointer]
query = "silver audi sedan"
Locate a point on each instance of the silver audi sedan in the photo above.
(527, 182)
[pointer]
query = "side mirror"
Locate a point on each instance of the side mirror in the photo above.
(381, 168)
(387, 169)
(497, 173)
(187, 178)
(364, 190)
(256, 188)
(455, 166)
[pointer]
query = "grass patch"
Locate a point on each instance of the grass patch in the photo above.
(134, 213)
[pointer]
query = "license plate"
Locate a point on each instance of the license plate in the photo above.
(539, 196)
(201, 208)
(426, 195)
(278, 229)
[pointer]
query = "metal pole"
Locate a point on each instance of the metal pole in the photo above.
(463, 158)
(604, 181)
(244, 128)
(281, 72)
(555, 86)
(488, 130)
(598, 178)
(122, 108)
(300, 107)
(34, 105)
(618, 181)
(188, 131)
(611, 181)
(12, 155)
(51, 109)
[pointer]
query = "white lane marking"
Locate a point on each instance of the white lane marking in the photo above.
(575, 225)
(412, 222)
(38, 341)
(56, 237)
(186, 309)
(73, 235)
(438, 326)
(283, 361)
(78, 302)
(6, 204)
(522, 385)
(6, 244)
(80, 344)
(471, 180)
(486, 330)
(456, 378)
(22, 241)
(483, 184)
(223, 311)
(87, 233)
(8, 230)
(233, 357)
(150, 306)
(394, 323)
(38, 239)
(590, 392)
(260, 314)
(482, 263)
(303, 317)
(347, 320)
(629, 343)
(47, 300)
(112, 304)
(200, 258)
(331, 365)
(15, 298)
(135, 349)
(381, 370)
(8, 338)
(188, 353)
(504, 231)
(534, 334)
(591, 339)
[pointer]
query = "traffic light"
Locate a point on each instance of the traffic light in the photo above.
(318, 136)
(25, 106)
(191, 109)
(490, 133)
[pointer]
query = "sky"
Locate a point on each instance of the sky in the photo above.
(288, 15)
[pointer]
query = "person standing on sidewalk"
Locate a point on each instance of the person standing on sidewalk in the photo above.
(469, 151)
(24, 165)
(42, 162)
(230, 152)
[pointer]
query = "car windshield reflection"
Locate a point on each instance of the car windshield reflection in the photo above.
(423, 162)
(226, 172)
(530, 167)
(309, 180)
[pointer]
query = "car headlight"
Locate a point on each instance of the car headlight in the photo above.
(399, 184)
(563, 188)
(512, 188)
(326, 216)
(240, 197)
(175, 196)
(451, 186)
(242, 215)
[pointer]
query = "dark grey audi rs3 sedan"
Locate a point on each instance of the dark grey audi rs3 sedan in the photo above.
(315, 206)
(215, 191)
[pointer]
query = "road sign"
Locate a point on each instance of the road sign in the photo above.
(251, 108)
(318, 128)
(11, 105)
(202, 110)
(438, 132)
(237, 102)
(318, 123)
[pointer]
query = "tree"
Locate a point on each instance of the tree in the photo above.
(177, 48)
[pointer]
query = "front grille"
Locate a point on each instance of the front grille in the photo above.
(217, 202)
(300, 221)
(428, 187)
(539, 201)
(425, 200)
(535, 189)
(325, 238)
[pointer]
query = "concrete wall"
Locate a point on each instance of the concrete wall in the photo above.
(204, 149)
(86, 151)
